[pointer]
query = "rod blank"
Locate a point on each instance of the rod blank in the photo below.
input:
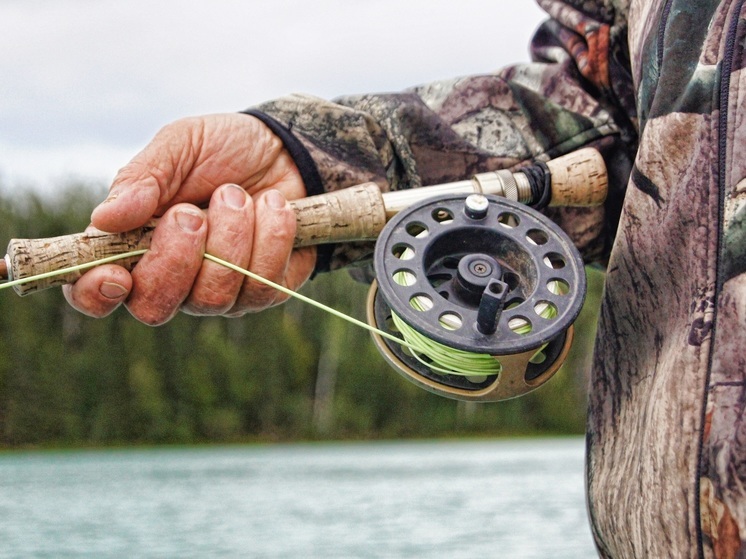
(357, 213)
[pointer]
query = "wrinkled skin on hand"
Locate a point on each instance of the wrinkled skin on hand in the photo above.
(235, 168)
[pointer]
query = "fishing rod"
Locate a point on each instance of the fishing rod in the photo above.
(481, 288)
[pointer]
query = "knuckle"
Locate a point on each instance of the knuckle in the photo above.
(150, 315)
(214, 292)
(255, 297)
(145, 175)
(208, 303)
(163, 176)
(262, 297)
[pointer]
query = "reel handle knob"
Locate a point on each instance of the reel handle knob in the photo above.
(490, 306)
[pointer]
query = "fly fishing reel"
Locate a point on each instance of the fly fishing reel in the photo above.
(482, 290)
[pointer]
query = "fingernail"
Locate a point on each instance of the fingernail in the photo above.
(276, 200)
(188, 220)
(234, 196)
(112, 290)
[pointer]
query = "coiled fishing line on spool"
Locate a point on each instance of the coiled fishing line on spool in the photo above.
(447, 360)
(437, 356)
(444, 359)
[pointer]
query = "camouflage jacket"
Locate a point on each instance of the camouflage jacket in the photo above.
(656, 85)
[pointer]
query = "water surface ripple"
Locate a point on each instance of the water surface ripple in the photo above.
(432, 499)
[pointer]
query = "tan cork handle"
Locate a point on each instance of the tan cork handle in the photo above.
(578, 179)
(351, 214)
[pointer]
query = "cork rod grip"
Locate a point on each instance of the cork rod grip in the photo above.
(351, 214)
(578, 179)
(29, 257)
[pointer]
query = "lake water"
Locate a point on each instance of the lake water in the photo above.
(451, 499)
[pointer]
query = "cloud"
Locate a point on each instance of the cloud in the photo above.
(84, 83)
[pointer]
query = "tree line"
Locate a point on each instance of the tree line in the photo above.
(289, 373)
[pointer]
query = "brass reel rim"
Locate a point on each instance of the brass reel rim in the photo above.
(510, 383)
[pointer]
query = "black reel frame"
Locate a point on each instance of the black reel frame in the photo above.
(481, 274)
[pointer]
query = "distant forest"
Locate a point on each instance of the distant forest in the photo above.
(290, 373)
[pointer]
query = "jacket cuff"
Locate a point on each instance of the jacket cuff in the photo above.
(308, 172)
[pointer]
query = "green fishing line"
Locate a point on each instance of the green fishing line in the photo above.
(305, 299)
(72, 269)
(444, 359)
(434, 355)
(278, 287)
(454, 361)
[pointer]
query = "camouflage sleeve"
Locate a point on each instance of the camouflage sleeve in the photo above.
(571, 95)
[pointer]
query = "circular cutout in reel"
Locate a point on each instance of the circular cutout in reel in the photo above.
(483, 275)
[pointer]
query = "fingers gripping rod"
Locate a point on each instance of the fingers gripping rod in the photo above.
(357, 213)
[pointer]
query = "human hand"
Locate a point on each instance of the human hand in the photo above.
(234, 166)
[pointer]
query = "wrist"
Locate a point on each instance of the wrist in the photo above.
(307, 170)
(297, 151)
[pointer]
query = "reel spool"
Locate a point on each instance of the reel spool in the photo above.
(478, 274)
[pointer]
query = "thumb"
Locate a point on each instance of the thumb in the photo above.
(130, 204)
(148, 181)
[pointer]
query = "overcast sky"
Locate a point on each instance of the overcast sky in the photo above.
(84, 84)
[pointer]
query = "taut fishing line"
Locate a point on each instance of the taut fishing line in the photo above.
(72, 269)
(439, 357)
(252, 275)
